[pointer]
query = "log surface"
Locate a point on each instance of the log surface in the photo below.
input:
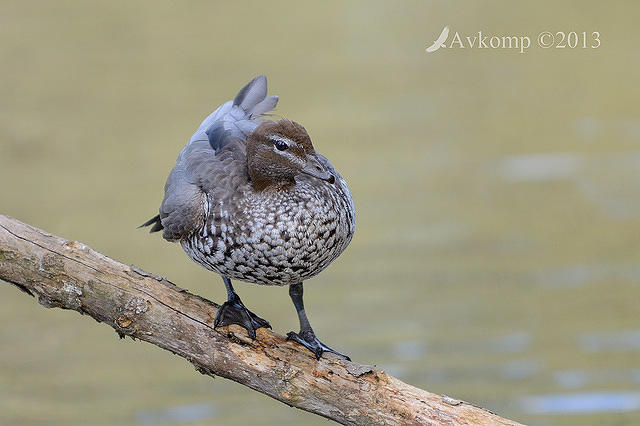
(69, 275)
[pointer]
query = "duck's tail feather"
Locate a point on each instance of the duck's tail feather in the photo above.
(156, 222)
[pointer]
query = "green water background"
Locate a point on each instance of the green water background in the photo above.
(496, 258)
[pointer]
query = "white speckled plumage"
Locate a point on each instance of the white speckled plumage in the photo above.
(274, 237)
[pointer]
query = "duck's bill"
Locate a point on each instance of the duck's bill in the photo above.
(318, 171)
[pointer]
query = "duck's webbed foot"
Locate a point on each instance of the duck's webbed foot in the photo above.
(308, 339)
(306, 336)
(233, 311)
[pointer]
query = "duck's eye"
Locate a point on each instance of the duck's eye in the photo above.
(281, 145)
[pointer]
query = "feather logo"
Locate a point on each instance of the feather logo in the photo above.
(439, 41)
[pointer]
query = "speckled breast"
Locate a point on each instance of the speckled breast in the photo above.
(276, 237)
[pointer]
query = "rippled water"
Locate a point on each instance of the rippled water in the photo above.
(177, 414)
(582, 403)
(497, 255)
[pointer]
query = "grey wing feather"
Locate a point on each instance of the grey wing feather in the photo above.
(265, 106)
(240, 116)
(213, 161)
(252, 94)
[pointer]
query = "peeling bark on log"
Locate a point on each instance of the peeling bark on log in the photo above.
(69, 275)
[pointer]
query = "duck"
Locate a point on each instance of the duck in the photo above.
(250, 199)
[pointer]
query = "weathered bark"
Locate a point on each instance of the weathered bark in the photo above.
(70, 275)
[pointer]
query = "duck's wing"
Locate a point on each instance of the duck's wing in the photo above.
(213, 163)
(236, 118)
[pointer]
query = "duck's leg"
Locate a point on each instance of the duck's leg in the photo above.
(233, 311)
(306, 336)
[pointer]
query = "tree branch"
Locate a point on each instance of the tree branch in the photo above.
(69, 275)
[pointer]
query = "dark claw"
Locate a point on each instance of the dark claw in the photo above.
(234, 312)
(309, 340)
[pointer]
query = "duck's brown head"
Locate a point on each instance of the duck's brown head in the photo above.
(279, 151)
